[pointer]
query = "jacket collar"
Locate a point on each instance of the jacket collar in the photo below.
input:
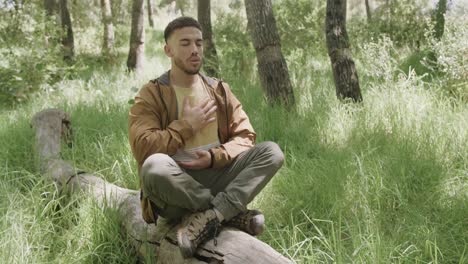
(165, 80)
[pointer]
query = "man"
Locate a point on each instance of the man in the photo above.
(195, 149)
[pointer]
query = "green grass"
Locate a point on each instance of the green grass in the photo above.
(381, 182)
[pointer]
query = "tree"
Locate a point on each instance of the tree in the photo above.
(439, 19)
(137, 37)
(344, 70)
(150, 6)
(272, 68)
(211, 56)
(108, 41)
(67, 38)
(368, 11)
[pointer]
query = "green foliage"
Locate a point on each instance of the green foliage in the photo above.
(451, 52)
(30, 54)
(402, 21)
(301, 25)
(234, 46)
(379, 182)
(423, 62)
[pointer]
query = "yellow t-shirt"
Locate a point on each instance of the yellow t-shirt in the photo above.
(207, 137)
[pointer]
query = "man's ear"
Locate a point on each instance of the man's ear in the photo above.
(168, 50)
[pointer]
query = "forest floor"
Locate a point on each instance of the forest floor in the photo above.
(385, 181)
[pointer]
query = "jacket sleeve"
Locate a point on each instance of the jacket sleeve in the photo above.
(145, 134)
(241, 133)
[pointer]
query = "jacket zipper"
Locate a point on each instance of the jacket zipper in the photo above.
(226, 108)
(165, 106)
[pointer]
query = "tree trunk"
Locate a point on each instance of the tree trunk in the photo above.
(137, 37)
(272, 68)
(150, 242)
(439, 18)
(211, 56)
(368, 11)
(67, 39)
(150, 7)
(344, 70)
(108, 41)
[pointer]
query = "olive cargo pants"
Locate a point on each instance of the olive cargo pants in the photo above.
(177, 191)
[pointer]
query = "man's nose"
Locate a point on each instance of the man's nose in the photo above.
(194, 49)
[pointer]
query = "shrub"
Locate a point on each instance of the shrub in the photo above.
(234, 45)
(30, 53)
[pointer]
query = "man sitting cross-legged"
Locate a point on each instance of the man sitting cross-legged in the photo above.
(195, 147)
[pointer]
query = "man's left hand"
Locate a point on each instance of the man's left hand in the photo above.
(202, 162)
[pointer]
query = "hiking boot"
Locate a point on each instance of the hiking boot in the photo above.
(196, 229)
(250, 221)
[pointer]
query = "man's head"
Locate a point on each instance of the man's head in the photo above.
(184, 44)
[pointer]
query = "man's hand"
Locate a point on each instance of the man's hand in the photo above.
(198, 116)
(202, 162)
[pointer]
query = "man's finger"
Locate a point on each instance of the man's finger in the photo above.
(204, 102)
(208, 106)
(200, 153)
(185, 164)
(212, 110)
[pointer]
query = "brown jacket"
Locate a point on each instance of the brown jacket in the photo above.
(155, 128)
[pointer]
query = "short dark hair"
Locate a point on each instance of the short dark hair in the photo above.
(178, 23)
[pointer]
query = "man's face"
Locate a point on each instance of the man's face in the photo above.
(185, 48)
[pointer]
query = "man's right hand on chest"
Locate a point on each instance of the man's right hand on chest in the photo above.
(198, 116)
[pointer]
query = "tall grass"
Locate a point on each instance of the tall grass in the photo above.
(380, 182)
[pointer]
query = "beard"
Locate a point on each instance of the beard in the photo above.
(179, 63)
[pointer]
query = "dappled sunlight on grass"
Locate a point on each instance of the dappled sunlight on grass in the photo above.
(384, 181)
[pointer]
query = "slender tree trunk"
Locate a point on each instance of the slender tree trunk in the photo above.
(150, 6)
(439, 18)
(67, 39)
(368, 11)
(108, 42)
(344, 70)
(272, 67)
(211, 56)
(137, 37)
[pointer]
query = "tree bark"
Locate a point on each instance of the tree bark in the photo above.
(150, 242)
(67, 39)
(150, 7)
(272, 67)
(137, 37)
(368, 11)
(108, 41)
(344, 70)
(439, 17)
(211, 56)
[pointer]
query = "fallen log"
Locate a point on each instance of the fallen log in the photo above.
(152, 243)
